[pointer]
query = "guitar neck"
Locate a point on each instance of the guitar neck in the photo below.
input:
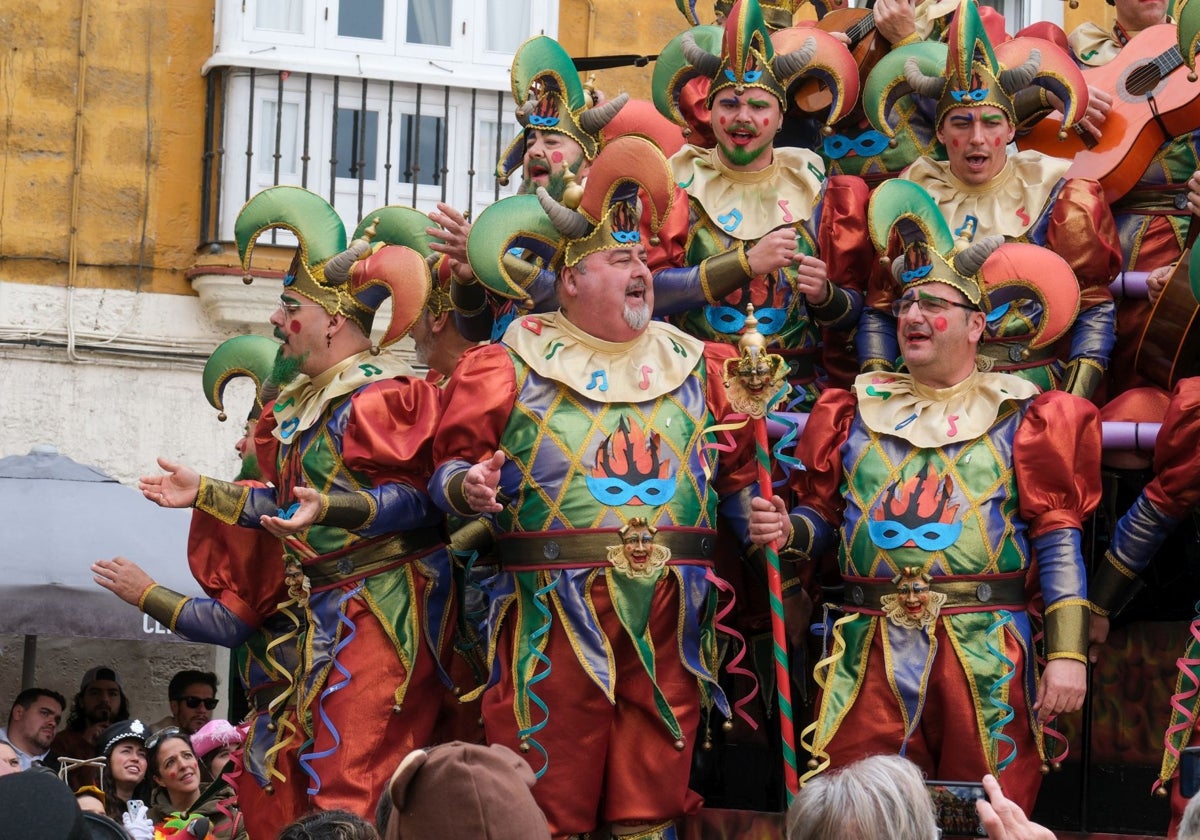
(864, 27)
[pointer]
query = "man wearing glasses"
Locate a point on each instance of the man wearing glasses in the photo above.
(192, 696)
(942, 485)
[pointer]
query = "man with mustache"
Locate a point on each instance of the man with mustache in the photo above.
(560, 436)
(101, 700)
(758, 224)
(939, 488)
(981, 190)
(346, 446)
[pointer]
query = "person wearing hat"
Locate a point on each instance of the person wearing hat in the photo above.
(981, 190)
(241, 571)
(575, 429)
(101, 701)
(123, 747)
(943, 484)
(37, 806)
(1164, 505)
(346, 446)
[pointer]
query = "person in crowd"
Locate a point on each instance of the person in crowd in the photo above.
(101, 701)
(330, 825)
(33, 722)
(937, 480)
(179, 800)
(490, 787)
(37, 806)
(346, 447)
(192, 696)
(881, 797)
(123, 746)
(981, 190)
(10, 762)
(1189, 824)
(607, 409)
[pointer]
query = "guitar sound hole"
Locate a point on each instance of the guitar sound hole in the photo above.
(1143, 80)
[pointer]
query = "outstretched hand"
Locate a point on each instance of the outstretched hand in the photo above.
(481, 483)
(305, 514)
(450, 238)
(124, 578)
(176, 489)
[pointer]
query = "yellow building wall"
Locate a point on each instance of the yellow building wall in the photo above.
(123, 107)
(621, 27)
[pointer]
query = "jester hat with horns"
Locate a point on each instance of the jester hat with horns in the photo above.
(991, 272)
(352, 281)
(550, 97)
(251, 356)
(748, 59)
(398, 224)
(969, 72)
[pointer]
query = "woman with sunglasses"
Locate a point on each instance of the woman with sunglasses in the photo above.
(178, 798)
(123, 745)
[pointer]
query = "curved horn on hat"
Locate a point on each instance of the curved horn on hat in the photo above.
(927, 86)
(1020, 77)
(700, 58)
(795, 62)
(337, 270)
(400, 273)
(969, 260)
(570, 223)
(594, 119)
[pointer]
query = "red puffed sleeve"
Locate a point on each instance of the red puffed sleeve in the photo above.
(1056, 459)
(389, 431)
(242, 568)
(843, 241)
(266, 447)
(476, 405)
(1083, 233)
(819, 484)
(738, 467)
(1175, 490)
(668, 247)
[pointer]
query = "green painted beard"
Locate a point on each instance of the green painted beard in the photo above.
(286, 368)
(557, 182)
(249, 470)
(739, 156)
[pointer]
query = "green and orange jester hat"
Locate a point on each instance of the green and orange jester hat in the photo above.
(991, 272)
(398, 224)
(974, 73)
(550, 97)
(351, 280)
(749, 59)
(251, 356)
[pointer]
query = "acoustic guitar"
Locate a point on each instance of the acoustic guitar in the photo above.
(1169, 349)
(866, 45)
(1148, 109)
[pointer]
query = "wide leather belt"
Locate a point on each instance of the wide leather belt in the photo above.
(971, 594)
(553, 550)
(1015, 354)
(1159, 199)
(363, 561)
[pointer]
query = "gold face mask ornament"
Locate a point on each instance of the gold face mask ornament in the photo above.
(754, 378)
(637, 556)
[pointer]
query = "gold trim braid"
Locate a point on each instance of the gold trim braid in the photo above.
(222, 499)
(163, 605)
(349, 511)
(1067, 629)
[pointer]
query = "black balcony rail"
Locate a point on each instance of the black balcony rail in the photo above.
(416, 140)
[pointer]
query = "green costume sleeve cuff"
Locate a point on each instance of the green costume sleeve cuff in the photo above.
(457, 497)
(468, 298)
(475, 536)
(162, 604)
(835, 306)
(723, 273)
(1112, 586)
(1067, 629)
(1083, 376)
(798, 548)
(348, 511)
(222, 499)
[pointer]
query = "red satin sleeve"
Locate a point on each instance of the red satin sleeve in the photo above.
(738, 467)
(1175, 489)
(1083, 233)
(1056, 459)
(242, 568)
(389, 431)
(819, 484)
(266, 447)
(476, 404)
(843, 241)
(668, 247)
